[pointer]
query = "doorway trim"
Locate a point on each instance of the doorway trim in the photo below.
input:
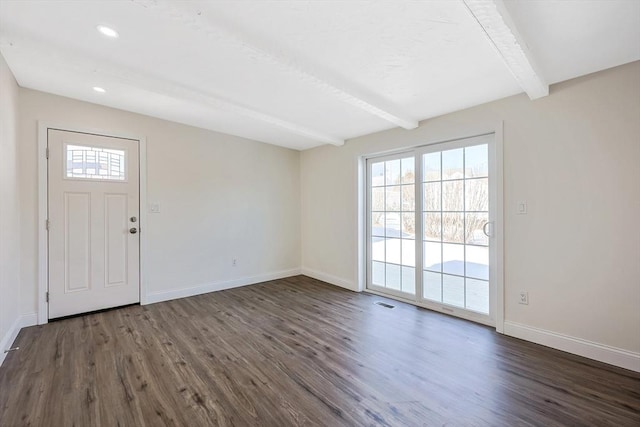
(43, 195)
(498, 205)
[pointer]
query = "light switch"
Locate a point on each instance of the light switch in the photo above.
(522, 208)
(154, 208)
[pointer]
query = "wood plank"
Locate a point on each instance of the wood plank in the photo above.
(294, 352)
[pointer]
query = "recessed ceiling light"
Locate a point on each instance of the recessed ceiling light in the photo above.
(109, 32)
(99, 89)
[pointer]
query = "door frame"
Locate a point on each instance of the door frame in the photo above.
(43, 197)
(497, 204)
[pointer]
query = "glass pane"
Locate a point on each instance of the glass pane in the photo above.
(476, 161)
(377, 199)
(392, 251)
(477, 295)
(452, 164)
(409, 252)
(453, 227)
(408, 198)
(453, 290)
(392, 172)
(409, 225)
(377, 273)
(393, 198)
(477, 262)
(477, 194)
(432, 226)
(453, 195)
(453, 259)
(473, 231)
(431, 167)
(392, 224)
(432, 253)
(393, 276)
(377, 174)
(431, 200)
(377, 248)
(409, 280)
(432, 286)
(95, 163)
(377, 223)
(408, 172)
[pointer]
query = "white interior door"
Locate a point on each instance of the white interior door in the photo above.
(93, 212)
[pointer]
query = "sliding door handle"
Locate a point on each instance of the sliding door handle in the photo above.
(484, 229)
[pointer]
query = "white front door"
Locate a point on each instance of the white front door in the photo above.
(93, 212)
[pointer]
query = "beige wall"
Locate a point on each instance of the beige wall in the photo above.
(573, 156)
(9, 207)
(221, 197)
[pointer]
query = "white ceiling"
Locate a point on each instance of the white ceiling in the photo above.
(305, 73)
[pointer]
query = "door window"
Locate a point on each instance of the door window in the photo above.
(86, 162)
(455, 213)
(393, 224)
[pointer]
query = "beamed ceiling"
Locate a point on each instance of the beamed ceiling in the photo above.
(305, 73)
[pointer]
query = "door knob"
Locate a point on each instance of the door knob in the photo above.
(133, 230)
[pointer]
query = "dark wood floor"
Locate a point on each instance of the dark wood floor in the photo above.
(299, 352)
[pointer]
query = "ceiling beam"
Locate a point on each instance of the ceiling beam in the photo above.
(104, 71)
(497, 25)
(344, 90)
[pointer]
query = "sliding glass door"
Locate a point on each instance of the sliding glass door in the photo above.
(455, 212)
(429, 228)
(392, 225)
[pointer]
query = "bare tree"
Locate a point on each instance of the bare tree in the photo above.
(454, 224)
(463, 204)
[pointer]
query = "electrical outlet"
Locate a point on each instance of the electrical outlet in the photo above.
(522, 208)
(234, 262)
(524, 298)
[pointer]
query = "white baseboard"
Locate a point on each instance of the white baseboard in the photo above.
(347, 284)
(217, 286)
(589, 349)
(21, 322)
(9, 338)
(30, 319)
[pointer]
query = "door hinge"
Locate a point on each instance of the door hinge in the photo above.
(46, 224)
(47, 152)
(47, 296)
